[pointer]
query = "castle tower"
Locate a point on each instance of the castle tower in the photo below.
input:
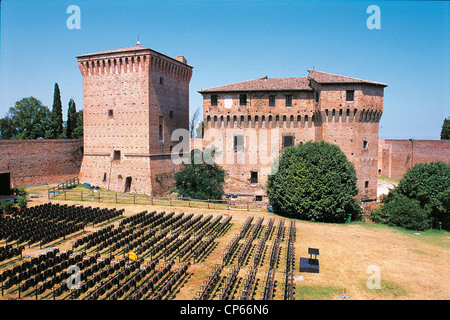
(348, 112)
(133, 99)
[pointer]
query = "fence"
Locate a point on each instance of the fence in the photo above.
(132, 198)
(72, 183)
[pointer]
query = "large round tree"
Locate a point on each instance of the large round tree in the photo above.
(314, 181)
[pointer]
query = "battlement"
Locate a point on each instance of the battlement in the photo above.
(133, 59)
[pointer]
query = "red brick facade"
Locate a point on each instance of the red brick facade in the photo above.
(340, 110)
(397, 156)
(133, 100)
(33, 162)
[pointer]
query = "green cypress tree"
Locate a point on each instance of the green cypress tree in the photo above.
(57, 129)
(71, 119)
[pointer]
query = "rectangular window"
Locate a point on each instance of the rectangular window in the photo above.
(238, 143)
(214, 100)
(110, 113)
(254, 177)
(258, 198)
(366, 184)
(171, 114)
(243, 99)
(288, 141)
(161, 80)
(288, 101)
(271, 101)
(161, 128)
(350, 95)
(365, 144)
(116, 155)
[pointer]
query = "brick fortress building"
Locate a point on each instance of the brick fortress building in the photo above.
(282, 112)
(133, 99)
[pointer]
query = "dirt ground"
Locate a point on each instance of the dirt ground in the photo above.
(409, 265)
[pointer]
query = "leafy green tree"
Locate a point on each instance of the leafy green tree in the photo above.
(7, 129)
(200, 179)
(30, 119)
(71, 119)
(429, 184)
(445, 131)
(57, 129)
(316, 182)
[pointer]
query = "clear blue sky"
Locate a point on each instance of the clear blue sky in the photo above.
(232, 41)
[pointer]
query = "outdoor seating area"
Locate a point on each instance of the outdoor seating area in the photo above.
(98, 243)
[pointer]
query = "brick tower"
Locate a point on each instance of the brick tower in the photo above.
(133, 99)
(251, 121)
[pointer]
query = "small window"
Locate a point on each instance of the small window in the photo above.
(161, 80)
(258, 198)
(171, 114)
(243, 99)
(110, 113)
(238, 143)
(104, 177)
(288, 141)
(214, 100)
(317, 96)
(271, 101)
(116, 155)
(365, 144)
(366, 184)
(160, 128)
(288, 101)
(254, 177)
(350, 95)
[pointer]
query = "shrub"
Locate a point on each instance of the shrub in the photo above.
(22, 201)
(404, 212)
(315, 182)
(6, 206)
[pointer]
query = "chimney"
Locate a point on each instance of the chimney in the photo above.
(182, 59)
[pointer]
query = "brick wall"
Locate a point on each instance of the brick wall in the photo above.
(397, 156)
(33, 162)
(134, 98)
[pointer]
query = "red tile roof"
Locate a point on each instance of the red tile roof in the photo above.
(288, 84)
(324, 77)
(264, 84)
